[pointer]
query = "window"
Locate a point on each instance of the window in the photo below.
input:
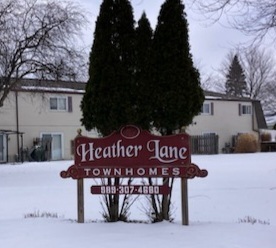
(58, 103)
(207, 108)
(245, 109)
(209, 134)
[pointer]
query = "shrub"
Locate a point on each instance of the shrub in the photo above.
(246, 143)
(252, 220)
(265, 136)
(37, 214)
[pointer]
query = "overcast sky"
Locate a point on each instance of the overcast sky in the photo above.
(210, 44)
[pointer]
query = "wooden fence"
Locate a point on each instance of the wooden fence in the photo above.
(204, 144)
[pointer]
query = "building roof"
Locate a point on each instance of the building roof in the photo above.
(8, 132)
(221, 96)
(39, 85)
(69, 86)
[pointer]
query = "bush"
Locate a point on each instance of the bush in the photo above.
(252, 220)
(246, 143)
(266, 136)
(37, 214)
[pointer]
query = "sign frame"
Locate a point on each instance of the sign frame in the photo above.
(132, 152)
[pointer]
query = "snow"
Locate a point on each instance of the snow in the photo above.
(51, 89)
(270, 120)
(238, 187)
(212, 97)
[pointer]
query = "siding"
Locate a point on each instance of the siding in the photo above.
(225, 122)
(35, 118)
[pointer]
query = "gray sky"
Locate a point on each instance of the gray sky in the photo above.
(210, 44)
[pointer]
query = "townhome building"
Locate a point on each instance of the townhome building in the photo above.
(40, 115)
(224, 117)
(40, 119)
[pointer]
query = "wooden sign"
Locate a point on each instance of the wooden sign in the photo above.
(188, 171)
(132, 147)
(132, 152)
(131, 189)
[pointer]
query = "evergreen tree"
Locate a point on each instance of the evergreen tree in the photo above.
(235, 79)
(177, 93)
(108, 102)
(143, 44)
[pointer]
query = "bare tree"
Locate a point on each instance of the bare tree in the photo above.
(252, 17)
(215, 81)
(269, 98)
(259, 70)
(260, 75)
(39, 39)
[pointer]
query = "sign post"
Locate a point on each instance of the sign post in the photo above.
(132, 152)
(80, 190)
(184, 201)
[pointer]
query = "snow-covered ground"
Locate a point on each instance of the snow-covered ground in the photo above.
(239, 187)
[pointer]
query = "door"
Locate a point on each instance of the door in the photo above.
(2, 153)
(56, 147)
(52, 143)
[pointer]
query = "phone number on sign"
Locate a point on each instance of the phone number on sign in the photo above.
(130, 189)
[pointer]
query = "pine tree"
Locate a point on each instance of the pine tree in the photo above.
(143, 44)
(235, 79)
(108, 102)
(177, 93)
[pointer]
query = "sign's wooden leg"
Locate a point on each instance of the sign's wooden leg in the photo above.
(184, 198)
(80, 200)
